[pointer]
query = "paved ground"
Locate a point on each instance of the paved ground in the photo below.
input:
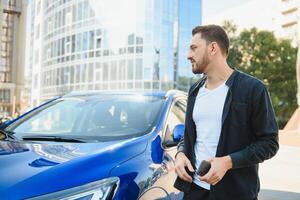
(290, 138)
(280, 176)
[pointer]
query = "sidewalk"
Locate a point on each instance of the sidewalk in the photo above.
(289, 138)
(279, 176)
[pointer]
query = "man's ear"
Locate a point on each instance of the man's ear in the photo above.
(214, 48)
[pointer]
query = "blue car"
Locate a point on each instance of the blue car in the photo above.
(94, 145)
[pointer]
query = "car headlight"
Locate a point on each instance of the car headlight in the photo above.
(100, 190)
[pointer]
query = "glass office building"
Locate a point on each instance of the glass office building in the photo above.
(109, 44)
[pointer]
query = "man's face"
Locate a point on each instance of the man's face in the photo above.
(198, 54)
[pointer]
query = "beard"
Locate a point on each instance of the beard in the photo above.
(199, 67)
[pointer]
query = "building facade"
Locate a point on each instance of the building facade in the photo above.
(290, 11)
(12, 34)
(290, 24)
(107, 45)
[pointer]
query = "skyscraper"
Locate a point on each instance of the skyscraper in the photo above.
(12, 40)
(108, 44)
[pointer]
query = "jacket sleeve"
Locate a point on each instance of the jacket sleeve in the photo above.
(265, 130)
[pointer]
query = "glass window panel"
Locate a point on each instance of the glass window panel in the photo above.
(68, 16)
(73, 43)
(83, 72)
(74, 13)
(122, 71)
(68, 45)
(105, 71)
(91, 12)
(106, 52)
(113, 70)
(99, 72)
(77, 79)
(91, 38)
(98, 32)
(62, 75)
(131, 39)
(55, 20)
(139, 69)
(58, 47)
(63, 17)
(98, 43)
(63, 46)
(139, 49)
(78, 42)
(85, 9)
(147, 85)
(37, 32)
(138, 85)
(80, 7)
(147, 73)
(85, 41)
(59, 18)
(98, 53)
(72, 74)
(130, 49)
(130, 70)
(139, 40)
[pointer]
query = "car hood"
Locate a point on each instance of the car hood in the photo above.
(30, 169)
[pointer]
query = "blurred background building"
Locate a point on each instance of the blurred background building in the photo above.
(108, 45)
(12, 60)
(290, 12)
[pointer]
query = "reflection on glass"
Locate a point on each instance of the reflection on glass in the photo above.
(102, 117)
(98, 31)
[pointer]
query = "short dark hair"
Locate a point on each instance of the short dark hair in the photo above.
(213, 33)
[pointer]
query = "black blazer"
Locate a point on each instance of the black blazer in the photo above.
(249, 135)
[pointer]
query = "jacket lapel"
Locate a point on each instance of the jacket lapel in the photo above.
(228, 99)
(189, 114)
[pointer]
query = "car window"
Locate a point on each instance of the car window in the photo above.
(106, 116)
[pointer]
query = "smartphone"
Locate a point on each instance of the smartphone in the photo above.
(203, 168)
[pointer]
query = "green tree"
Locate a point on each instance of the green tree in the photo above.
(271, 60)
(184, 82)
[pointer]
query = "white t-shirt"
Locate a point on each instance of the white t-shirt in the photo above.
(207, 116)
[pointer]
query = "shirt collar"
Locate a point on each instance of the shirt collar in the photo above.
(202, 80)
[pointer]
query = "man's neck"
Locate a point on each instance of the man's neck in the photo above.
(217, 75)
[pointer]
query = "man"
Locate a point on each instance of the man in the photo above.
(230, 122)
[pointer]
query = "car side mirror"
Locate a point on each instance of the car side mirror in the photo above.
(178, 132)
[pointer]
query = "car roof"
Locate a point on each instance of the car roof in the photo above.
(170, 93)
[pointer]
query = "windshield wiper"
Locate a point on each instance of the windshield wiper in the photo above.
(8, 134)
(52, 138)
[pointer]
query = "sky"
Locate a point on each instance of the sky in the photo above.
(212, 7)
(241, 13)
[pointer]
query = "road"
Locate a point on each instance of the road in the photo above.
(280, 176)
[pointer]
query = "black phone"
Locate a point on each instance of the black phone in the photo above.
(203, 168)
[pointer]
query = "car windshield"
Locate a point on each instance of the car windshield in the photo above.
(100, 117)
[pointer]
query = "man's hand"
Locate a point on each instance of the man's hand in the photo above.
(219, 167)
(180, 163)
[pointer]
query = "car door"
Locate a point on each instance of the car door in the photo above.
(166, 171)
